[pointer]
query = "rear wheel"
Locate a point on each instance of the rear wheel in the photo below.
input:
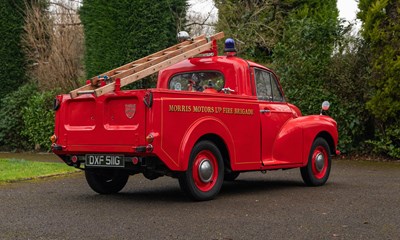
(204, 176)
(316, 173)
(106, 181)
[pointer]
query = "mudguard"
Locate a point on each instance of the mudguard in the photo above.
(293, 144)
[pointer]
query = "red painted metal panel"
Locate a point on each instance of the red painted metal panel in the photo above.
(186, 117)
(115, 120)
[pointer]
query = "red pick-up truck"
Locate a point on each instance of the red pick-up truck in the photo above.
(209, 119)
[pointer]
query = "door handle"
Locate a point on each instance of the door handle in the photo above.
(265, 111)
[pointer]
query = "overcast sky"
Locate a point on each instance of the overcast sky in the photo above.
(347, 8)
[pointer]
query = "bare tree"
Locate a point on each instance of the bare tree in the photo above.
(201, 22)
(54, 45)
(198, 23)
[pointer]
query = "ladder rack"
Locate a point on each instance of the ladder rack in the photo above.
(146, 66)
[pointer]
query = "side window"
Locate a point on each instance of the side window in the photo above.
(263, 85)
(276, 93)
(267, 87)
(197, 81)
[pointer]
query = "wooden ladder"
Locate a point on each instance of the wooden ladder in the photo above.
(146, 66)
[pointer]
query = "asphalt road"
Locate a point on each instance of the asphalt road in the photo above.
(360, 201)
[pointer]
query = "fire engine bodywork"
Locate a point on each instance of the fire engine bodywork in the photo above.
(164, 124)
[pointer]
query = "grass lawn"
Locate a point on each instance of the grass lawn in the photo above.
(16, 170)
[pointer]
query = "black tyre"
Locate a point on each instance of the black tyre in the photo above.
(316, 173)
(106, 181)
(231, 176)
(205, 174)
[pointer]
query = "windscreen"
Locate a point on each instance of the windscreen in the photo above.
(197, 81)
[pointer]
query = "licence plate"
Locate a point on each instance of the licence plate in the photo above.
(100, 160)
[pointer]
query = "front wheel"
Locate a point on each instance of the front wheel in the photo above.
(205, 174)
(316, 173)
(106, 181)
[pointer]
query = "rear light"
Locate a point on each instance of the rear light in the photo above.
(135, 160)
(74, 159)
(53, 139)
(150, 138)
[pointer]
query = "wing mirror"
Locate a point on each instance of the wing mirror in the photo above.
(325, 107)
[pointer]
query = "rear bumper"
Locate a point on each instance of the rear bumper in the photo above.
(79, 149)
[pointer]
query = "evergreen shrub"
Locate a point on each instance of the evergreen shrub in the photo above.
(118, 32)
(11, 118)
(38, 118)
(12, 67)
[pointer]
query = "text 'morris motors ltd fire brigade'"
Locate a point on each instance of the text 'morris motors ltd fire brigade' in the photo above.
(209, 119)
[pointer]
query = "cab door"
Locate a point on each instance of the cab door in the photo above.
(274, 113)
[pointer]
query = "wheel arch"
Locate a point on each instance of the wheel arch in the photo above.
(211, 129)
(329, 139)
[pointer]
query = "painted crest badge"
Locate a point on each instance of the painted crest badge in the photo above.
(130, 110)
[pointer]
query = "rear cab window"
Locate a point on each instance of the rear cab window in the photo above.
(197, 81)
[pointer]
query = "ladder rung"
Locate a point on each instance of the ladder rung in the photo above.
(85, 92)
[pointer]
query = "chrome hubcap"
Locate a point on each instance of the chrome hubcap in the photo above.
(319, 162)
(205, 170)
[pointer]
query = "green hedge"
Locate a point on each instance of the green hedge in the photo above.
(12, 62)
(118, 32)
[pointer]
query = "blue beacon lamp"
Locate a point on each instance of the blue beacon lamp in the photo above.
(230, 49)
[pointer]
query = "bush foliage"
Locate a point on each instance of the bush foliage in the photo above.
(255, 25)
(38, 118)
(27, 119)
(11, 118)
(348, 83)
(302, 57)
(381, 31)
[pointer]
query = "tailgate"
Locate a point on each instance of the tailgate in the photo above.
(110, 123)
